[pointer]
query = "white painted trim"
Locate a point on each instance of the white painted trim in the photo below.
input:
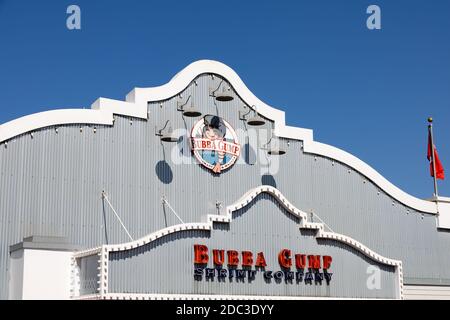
(136, 106)
(103, 272)
(442, 199)
(159, 234)
(245, 200)
(74, 278)
(53, 118)
(88, 252)
(443, 220)
(43, 274)
(160, 296)
(101, 114)
(417, 292)
(362, 167)
(137, 110)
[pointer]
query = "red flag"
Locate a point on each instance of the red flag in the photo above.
(439, 167)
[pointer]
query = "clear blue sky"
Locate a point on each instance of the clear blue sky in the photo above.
(367, 92)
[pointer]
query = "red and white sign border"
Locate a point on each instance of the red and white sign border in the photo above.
(196, 151)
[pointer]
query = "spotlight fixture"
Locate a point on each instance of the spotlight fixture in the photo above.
(273, 147)
(169, 137)
(224, 95)
(166, 135)
(276, 151)
(256, 120)
(191, 111)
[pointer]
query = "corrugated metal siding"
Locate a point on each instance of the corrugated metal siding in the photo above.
(166, 266)
(351, 205)
(427, 293)
(51, 185)
(88, 274)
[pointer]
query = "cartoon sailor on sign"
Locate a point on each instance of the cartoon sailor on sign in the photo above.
(213, 130)
(215, 143)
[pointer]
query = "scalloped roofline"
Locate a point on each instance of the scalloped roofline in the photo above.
(241, 203)
(135, 105)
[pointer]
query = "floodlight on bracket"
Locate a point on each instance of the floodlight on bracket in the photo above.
(226, 94)
(273, 146)
(166, 135)
(256, 120)
(191, 111)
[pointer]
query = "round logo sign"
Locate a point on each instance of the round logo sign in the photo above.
(214, 143)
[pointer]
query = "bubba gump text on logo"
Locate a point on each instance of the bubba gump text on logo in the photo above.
(216, 145)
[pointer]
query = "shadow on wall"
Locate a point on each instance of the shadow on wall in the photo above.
(164, 172)
(268, 180)
(250, 154)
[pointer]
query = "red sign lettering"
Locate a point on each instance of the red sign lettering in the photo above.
(260, 260)
(218, 257)
(327, 262)
(247, 259)
(200, 254)
(300, 261)
(314, 262)
(233, 258)
(284, 258)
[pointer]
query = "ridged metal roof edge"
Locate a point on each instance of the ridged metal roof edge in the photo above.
(245, 200)
(136, 106)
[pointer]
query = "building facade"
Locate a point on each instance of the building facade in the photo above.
(198, 189)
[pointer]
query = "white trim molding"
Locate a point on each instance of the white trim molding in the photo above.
(422, 292)
(443, 220)
(245, 200)
(44, 119)
(136, 106)
(212, 297)
(350, 160)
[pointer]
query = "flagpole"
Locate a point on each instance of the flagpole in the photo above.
(430, 129)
